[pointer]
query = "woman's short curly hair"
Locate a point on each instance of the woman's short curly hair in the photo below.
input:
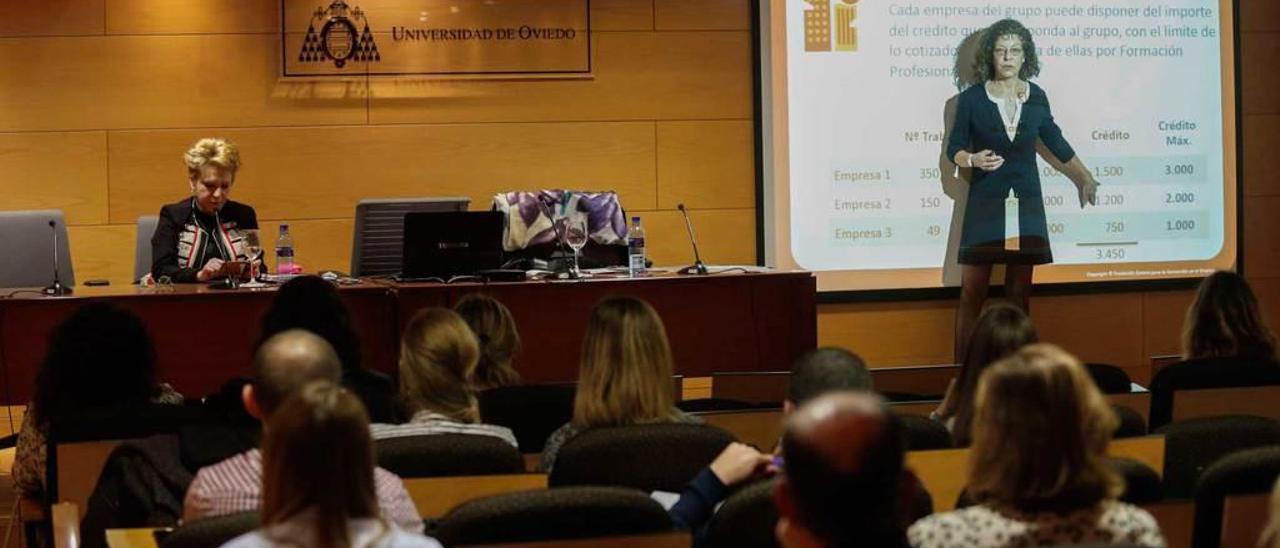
(212, 151)
(985, 59)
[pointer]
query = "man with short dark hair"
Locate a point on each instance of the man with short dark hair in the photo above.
(843, 475)
(827, 369)
(283, 365)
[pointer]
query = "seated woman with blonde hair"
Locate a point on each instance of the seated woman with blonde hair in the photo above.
(624, 374)
(438, 356)
(198, 237)
(317, 477)
(1038, 467)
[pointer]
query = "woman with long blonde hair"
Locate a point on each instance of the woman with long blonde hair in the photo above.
(1038, 467)
(624, 373)
(318, 487)
(438, 356)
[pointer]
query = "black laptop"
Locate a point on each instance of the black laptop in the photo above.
(445, 244)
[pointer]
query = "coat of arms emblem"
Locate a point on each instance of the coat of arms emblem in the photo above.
(338, 40)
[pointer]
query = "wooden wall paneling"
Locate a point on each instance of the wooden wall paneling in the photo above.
(1259, 16)
(724, 236)
(1262, 236)
(1260, 83)
(103, 252)
(1096, 328)
(66, 171)
(193, 16)
(708, 164)
(609, 15)
(1261, 163)
(702, 14)
(638, 76)
(322, 172)
(1162, 314)
(319, 244)
(1268, 292)
(52, 18)
(891, 334)
(123, 82)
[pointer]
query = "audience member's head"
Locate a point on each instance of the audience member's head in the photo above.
(438, 354)
(1000, 331)
(310, 303)
(100, 356)
(624, 374)
(1225, 321)
(284, 364)
(825, 370)
(317, 456)
(1040, 434)
(499, 340)
(842, 474)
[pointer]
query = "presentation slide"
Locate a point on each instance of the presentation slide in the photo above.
(861, 102)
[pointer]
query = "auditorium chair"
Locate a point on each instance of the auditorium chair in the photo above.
(1109, 378)
(1192, 446)
(1130, 423)
(76, 453)
(1141, 482)
(924, 433)
(746, 519)
(142, 245)
(649, 457)
(28, 249)
(211, 532)
(531, 411)
(1248, 472)
(707, 405)
(1197, 388)
(447, 455)
(553, 514)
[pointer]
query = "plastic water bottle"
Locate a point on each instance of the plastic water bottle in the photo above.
(284, 251)
(635, 248)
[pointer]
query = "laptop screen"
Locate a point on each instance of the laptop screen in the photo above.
(453, 243)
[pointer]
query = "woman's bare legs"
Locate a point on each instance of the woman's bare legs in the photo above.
(975, 281)
(1017, 285)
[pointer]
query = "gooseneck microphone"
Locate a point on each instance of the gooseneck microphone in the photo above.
(697, 267)
(56, 289)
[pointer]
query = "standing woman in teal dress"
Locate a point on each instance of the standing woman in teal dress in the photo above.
(998, 127)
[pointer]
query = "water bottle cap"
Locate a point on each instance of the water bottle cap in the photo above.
(284, 227)
(635, 220)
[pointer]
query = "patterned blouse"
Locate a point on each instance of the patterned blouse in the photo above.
(983, 526)
(428, 423)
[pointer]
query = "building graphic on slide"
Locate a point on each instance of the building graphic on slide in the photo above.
(846, 29)
(818, 27)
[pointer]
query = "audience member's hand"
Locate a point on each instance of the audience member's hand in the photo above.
(211, 269)
(947, 408)
(737, 463)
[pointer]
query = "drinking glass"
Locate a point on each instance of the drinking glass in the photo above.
(253, 248)
(575, 236)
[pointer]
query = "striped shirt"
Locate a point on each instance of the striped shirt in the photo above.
(235, 485)
(428, 423)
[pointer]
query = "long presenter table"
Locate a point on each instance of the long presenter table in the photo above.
(733, 321)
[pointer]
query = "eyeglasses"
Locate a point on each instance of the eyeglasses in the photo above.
(1009, 53)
